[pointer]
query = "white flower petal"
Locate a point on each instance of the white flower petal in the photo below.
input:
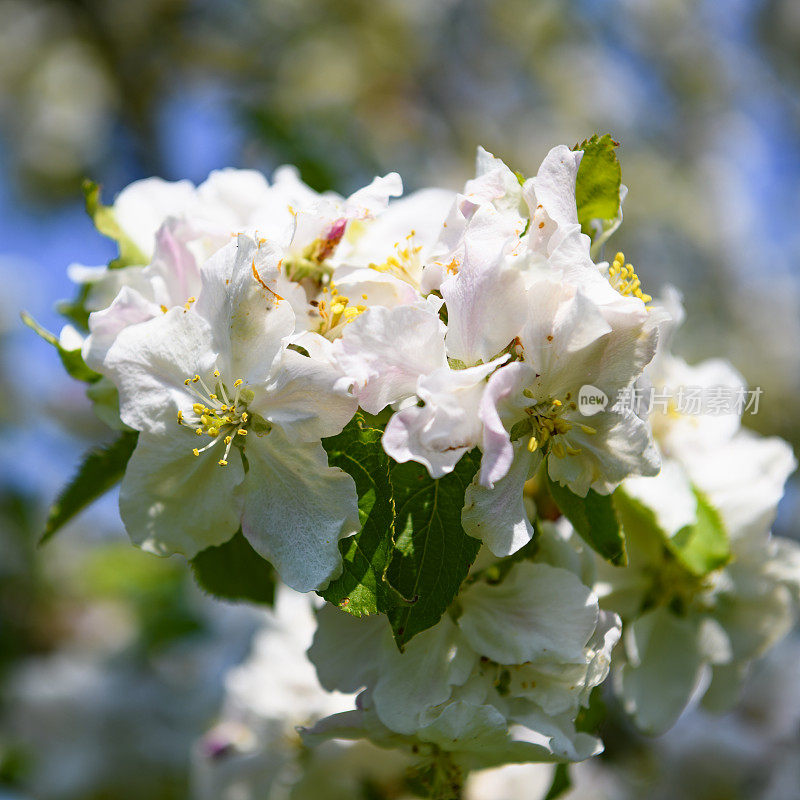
(297, 508)
(554, 185)
(174, 502)
(621, 445)
(538, 612)
(129, 307)
(502, 400)
(306, 395)
(141, 208)
(149, 363)
(247, 316)
(485, 298)
(370, 200)
(386, 350)
(665, 669)
(439, 654)
(346, 649)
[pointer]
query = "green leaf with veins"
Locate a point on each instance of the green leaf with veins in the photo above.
(361, 588)
(101, 469)
(598, 182)
(432, 554)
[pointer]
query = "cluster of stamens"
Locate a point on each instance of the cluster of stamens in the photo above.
(547, 424)
(335, 309)
(625, 280)
(216, 413)
(405, 263)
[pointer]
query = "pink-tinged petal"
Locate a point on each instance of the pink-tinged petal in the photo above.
(485, 298)
(448, 425)
(174, 272)
(502, 401)
(129, 307)
(497, 516)
(297, 508)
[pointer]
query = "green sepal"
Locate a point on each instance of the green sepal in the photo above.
(71, 359)
(106, 223)
(703, 546)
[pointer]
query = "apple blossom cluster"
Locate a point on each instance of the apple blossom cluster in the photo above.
(383, 399)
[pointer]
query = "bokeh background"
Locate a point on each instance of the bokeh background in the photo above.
(110, 661)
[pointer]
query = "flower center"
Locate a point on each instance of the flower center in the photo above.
(545, 426)
(218, 413)
(625, 280)
(405, 263)
(311, 262)
(336, 311)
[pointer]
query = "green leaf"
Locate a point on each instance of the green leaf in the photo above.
(594, 518)
(591, 717)
(704, 546)
(101, 469)
(106, 223)
(432, 553)
(561, 782)
(361, 588)
(71, 359)
(598, 182)
(234, 571)
(700, 548)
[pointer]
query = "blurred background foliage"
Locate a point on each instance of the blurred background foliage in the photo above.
(110, 661)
